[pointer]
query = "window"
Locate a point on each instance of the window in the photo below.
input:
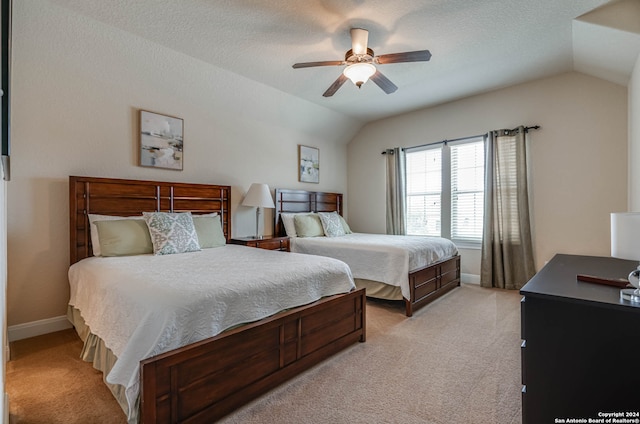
(424, 192)
(445, 190)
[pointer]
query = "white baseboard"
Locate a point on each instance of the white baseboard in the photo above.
(470, 278)
(37, 328)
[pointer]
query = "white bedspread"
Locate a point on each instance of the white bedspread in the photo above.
(141, 306)
(379, 257)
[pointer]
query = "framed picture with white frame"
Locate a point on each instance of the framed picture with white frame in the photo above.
(309, 164)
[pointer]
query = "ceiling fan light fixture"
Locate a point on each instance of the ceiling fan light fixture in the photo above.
(359, 73)
(361, 61)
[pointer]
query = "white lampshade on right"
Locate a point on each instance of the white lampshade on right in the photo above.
(625, 235)
(625, 244)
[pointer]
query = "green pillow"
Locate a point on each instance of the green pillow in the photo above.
(308, 225)
(209, 230)
(124, 237)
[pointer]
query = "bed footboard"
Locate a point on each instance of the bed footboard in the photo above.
(202, 382)
(428, 283)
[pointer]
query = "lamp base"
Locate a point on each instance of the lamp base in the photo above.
(632, 295)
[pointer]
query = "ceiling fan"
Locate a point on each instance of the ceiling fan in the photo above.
(361, 61)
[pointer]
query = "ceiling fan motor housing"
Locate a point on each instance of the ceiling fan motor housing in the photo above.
(350, 57)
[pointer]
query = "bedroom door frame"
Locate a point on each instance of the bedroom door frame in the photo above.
(5, 41)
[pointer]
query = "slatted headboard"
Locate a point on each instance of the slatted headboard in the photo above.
(304, 201)
(110, 196)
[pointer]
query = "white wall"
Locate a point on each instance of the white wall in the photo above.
(77, 87)
(578, 157)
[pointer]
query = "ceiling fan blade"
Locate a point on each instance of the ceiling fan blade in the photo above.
(359, 40)
(334, 87)
(417, 56)
(325, 63)
(383, 82)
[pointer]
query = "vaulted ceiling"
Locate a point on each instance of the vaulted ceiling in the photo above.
(477, 46)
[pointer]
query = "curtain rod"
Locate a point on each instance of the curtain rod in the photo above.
(390, 151)
(534, 127)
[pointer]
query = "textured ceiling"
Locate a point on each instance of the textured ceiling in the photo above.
(477, 46)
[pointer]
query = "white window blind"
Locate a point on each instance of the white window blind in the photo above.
(507, 184)
(467, 190)
(445, 190)
(424, 192)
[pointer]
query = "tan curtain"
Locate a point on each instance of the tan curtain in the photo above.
(396, 192)
(507, 249)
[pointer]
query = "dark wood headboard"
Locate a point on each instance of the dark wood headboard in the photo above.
(304, 201)
(110, 196)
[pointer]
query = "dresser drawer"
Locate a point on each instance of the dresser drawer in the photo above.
(525, 407)
(424, 275)
(523, 361)
(426, 288)
(450, 266)
(273, 244)
(523, 305)
(284, 245)
(269, 243)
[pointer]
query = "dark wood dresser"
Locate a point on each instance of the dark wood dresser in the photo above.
(580, 344)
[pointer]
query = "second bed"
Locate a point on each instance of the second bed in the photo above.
(414, 269)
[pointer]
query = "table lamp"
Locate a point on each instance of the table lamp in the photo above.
(259, 196)
(625, 244)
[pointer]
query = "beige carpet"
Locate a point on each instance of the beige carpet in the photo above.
(48, 383)
(456, 361)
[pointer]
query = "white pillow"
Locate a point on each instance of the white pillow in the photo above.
(172, 232)
(287, 221)
(95, 238)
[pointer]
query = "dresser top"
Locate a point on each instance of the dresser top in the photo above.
(558, 278)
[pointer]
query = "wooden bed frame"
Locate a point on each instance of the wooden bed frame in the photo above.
(425, 284)
(204, 381)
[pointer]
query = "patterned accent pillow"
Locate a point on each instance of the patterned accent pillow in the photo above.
(172, 232)
(332, 224)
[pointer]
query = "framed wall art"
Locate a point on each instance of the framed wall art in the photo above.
(161, 142)
(309, 162)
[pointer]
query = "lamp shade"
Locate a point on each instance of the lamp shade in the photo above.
(625, 235)
(259, 195)
(359, 73)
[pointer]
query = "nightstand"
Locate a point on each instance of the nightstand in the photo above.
(269, 243)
